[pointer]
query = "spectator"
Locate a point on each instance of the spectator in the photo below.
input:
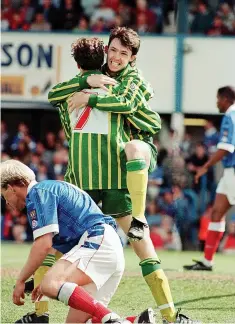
(126, 13)
(175, 172)
(27, 11)
(7, 11)
(57, 168)
(198, 159)
(218, 28)
(99, 26)
(4, 137)
(17, 22)
(39, 23)
(145, 18)
(227, 16)
(22, 131)
(184, 219)
(103, 16)
(51, 14)
(23, 152)
(34, 163)
(69, 15)
(157, 7)
(153, 215)
(83, 24)
(186, 146)
(50, 142)
(113, 4)
(19, 226)
(89, 6)
(202, 20)
(211, 137)
(42, 173)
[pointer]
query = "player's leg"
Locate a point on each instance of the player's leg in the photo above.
(138, 160)
(103, 295)
(151, 271)
(117, 203)
(225, 198)
(40, 315)
(41, 306)
(215, 233)
(86, 263)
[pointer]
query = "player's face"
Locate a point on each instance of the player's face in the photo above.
(118, 56)
(221, 102)
(13, 199)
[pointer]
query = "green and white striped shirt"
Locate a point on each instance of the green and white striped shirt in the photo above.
(97, 135)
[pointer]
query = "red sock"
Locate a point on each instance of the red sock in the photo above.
(214, 235)
(81, 300)
(131, 318)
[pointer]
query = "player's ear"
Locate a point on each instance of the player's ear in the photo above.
(106, 49)
(79, 67)
(132, 60)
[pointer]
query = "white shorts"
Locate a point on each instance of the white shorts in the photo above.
(226, 185)
(99, 254)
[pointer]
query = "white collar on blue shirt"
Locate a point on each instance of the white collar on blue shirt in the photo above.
(231, 108)
(31, 185)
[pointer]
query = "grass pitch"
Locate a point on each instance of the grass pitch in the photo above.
(209, 297)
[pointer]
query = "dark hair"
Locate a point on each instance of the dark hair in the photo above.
(201, 144)
(227, 92)
(88, 53)
(128, 38)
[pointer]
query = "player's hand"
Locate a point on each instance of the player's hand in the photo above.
(200, 172)
(78, 101)
(100, 80)
(36, 294)
(18, 293)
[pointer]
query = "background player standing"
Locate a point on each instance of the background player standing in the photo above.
(225, 193)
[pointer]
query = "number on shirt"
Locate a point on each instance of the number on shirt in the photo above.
(83, 118)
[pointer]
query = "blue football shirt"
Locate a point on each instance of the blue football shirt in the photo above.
(227, 137)
(62, 209)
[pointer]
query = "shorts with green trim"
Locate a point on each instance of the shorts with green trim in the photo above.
(115, 202)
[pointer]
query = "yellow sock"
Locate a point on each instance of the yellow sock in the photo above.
(41, 306)
(159, 286)
(137, 181)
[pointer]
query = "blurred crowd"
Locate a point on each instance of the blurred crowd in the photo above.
(220, 20)
(214, 17)
(177, 209)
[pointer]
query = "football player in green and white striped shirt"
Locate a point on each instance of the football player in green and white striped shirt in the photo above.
(110, 141)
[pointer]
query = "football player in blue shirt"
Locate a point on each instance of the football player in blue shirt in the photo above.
(225, 193)
(65, 218)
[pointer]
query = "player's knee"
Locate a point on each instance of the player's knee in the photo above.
(132, 147)
(136, 150)
(50, 286)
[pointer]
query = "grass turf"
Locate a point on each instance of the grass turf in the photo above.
(209, 297)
